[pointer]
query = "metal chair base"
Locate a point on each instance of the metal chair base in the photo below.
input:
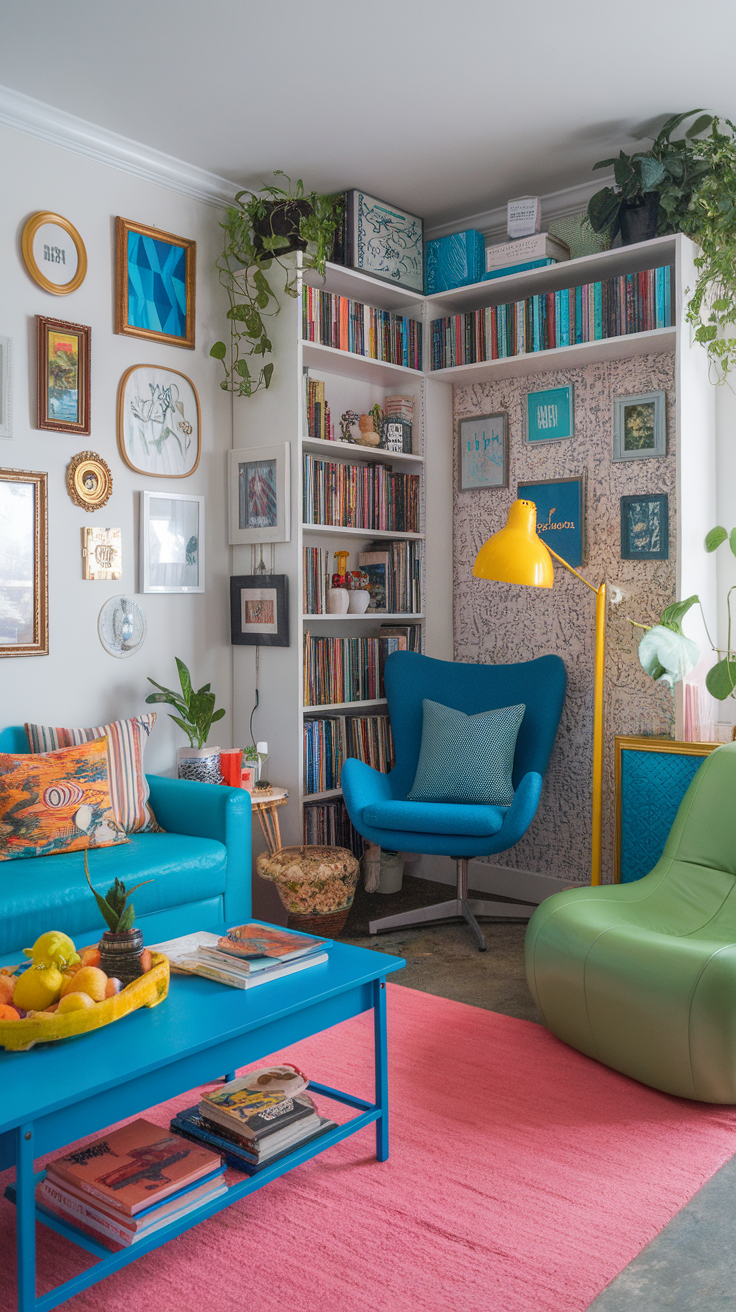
(460, 907)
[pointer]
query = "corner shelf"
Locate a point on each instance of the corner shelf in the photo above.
(322, 446)
(365, 533)
(334, 361)
(560, 357)
(322, 797)
(408, 615)
(344, 706)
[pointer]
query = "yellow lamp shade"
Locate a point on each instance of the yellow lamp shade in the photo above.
(515, 554)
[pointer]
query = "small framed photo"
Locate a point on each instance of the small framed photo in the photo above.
(155, 284)
(560, 506)
(159, 422)
(171, 542)
(259, 494)
(63, 376)
(102, 553)
(483, 454)
(6, 387)
(640, 426)
(259, 610)
(645, 527)
(550, 414)
(24, 575)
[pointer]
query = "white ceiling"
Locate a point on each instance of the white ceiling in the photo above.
(445, 108)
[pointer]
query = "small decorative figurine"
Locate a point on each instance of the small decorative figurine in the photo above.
(368, 434)
(349, 431)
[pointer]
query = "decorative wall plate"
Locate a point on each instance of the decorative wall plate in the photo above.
(54, 253)
(121, 626)
(158, 421)
(88, 480)
(102, 556)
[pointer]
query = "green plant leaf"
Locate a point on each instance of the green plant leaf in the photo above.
(185, 680)
(108, 915)
(267, 374)
(721, 679)
(183, 725)
(218, 715)
(242, 368)
(652, 173)
(127, 919)
(673, 615)
(218, 351)
(604, 209)
(715, 537)
(699, 125)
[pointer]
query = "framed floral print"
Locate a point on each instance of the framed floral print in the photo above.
(259, 494)
(155, 284)
(24, 616)
(158, 422)
(63, 376)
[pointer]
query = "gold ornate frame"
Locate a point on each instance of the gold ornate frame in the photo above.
(40, 644)
(122, 228)
(37, 221)
(640, 744)
(84, 338)
(148, 473)
(88, 480)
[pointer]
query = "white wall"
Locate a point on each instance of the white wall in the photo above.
(78, 683)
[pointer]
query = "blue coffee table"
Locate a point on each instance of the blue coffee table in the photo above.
(60, 1092)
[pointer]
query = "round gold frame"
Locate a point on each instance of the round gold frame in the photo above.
(35, 222)
(88, 480)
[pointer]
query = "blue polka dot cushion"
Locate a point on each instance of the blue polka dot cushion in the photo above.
(466, 758)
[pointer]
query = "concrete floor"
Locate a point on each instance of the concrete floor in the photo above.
(691, 1265)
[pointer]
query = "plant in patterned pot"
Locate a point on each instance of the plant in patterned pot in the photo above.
(196, 715)
(121, 945)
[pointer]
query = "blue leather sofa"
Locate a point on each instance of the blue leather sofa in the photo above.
(200, 869)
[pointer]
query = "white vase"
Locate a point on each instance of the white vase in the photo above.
(358, 601)
(338, 600)
(201, 764)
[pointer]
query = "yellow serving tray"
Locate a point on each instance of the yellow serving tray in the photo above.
(146, 991)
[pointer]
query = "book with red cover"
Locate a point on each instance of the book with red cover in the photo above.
(263, 941)
(135, 1166)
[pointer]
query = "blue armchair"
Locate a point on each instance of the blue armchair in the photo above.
(377, 803)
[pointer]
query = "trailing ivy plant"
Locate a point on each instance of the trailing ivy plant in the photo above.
(261, 228)
(710, 220)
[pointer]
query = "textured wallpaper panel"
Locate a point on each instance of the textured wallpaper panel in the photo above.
(497, 622)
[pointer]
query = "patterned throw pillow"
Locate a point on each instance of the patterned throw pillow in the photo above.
(56, 802)
(467, 758)
(126, 740)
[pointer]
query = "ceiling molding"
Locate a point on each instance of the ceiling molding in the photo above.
(72, 133)
(555, 205)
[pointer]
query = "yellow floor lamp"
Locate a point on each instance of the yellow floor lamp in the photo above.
(517, 555)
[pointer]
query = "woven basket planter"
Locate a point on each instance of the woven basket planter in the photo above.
(316, 885)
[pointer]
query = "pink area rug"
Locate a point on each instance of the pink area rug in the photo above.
(522, 1178)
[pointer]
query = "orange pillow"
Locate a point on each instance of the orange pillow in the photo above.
(56, 802)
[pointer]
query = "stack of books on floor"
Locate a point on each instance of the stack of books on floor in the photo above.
(246, 956)
(256, 1119)
(129, 1183)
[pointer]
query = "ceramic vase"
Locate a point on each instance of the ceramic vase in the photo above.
(201, 764)
(358, 601)
(338, 601)
(120, 954)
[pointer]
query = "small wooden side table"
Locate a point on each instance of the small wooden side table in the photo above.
(267, 809)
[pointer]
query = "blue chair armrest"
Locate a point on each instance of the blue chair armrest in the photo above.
(522, 810)
(362, 786)
(211, 811)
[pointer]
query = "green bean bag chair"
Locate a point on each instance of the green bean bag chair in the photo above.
(642, 976)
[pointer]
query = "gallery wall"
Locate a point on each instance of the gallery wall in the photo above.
(79, 683)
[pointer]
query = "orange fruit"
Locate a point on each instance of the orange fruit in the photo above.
(90, 980)
(113, 986)
(90, 956)
(145, 961)
(8, 1013)
(7, 989)
(75, 1002)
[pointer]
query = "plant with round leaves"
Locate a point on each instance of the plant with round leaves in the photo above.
(196, 710)
(665, 652)
(721, 677)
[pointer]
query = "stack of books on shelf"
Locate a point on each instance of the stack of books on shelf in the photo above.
(348, 325)
(365, 495)
(317, 409)
(328, 822)
(616, 307)
(129, 1183)
(330, 741)
(256, 1119)
(316, 563)
(394, 580)
(535, 251)
(340, 670)
(246, 956)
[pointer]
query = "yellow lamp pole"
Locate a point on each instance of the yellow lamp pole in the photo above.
(516, 554)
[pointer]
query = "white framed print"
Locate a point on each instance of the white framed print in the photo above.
(259, 494)
(171, 542)
(6, 387)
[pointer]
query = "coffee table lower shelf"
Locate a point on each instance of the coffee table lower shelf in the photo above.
(109, 1262)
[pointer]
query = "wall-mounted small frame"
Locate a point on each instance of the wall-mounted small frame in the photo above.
(63, 376)
(88, 480)
(172, 542)
(159, 422)
(560, 506)
(640, 426)
(550, 414)
(24, 614)
(483, 452)
(645, 529)
(259, 495)
(155, 284)
(102, 553)
(6, 387)
(54, 253)
(259, 610)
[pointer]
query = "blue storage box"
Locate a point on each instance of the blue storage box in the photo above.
(454, 261)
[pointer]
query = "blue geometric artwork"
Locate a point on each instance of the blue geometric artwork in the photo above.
(157, 296)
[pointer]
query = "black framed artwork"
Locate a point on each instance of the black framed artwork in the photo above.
(259, 610)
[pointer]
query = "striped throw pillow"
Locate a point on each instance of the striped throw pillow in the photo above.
(126, 740)
(467, 758)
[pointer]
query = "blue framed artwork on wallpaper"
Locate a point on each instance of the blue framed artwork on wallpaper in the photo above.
(156, 279)
(483, 452)
(645, 527)
(560, 506)
(550, 414)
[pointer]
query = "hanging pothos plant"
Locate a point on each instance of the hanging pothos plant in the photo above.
(261, 228)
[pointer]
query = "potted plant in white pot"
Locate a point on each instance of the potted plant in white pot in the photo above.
(196, 715)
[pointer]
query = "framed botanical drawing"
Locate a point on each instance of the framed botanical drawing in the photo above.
(550, 414)
(259, 490)
(639, 426)
(560, 506)
(155, 284)
(172, 542)
(6, 387)
(645, 528)
(24, 622)
(54, 253)
(483, 452)
(63, 376)
(259, 610)
(159, 422)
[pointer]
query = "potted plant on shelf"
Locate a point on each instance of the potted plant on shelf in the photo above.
(196, 715)
(261, 228)
(121, 946)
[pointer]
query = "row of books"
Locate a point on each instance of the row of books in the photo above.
(364, 495)
(339, 670)
(328, 822)
(317, 409)
(330, 741)
(616, 307)
(348, 325)
(394, 578)
(248, 955)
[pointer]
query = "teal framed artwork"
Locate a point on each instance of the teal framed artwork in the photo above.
(483, 456)
(155, 286)
(645, 528)
(550, 414)
(560, 506)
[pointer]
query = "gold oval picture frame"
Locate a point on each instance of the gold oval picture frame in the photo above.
(159, 421)
(88, 480)
(54, 256)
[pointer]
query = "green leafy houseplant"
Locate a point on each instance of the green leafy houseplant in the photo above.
(196, 710)
(261, 229)
(117, 910)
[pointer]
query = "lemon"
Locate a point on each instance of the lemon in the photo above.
(37, 988)
(53, 949)
(74, 1002)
